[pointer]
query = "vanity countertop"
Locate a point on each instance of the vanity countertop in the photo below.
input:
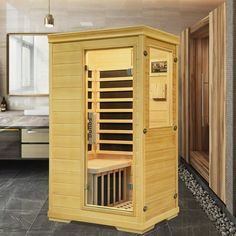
(17, 119)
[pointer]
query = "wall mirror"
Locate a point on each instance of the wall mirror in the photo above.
(28, 64)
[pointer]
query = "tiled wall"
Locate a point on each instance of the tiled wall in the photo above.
(230, 106)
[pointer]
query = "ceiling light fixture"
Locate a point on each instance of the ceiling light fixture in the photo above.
(48, 19)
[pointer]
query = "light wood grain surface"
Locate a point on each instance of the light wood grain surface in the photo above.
(96, 166)
(161, 144)
(217, 101)
(153, 158)
(184, 94)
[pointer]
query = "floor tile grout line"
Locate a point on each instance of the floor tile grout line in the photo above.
(171, 234)
(35, 219)
(14, 177)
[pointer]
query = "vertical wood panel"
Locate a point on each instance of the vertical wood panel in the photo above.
(217, 101)
(65, 125)
(184, 94)
(161, 147)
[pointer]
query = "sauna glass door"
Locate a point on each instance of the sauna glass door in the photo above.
(109, 148)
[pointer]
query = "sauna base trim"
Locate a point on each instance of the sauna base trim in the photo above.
(135, 231)
(131, 226)
(60, 220)
(164, 216)
(172, 217)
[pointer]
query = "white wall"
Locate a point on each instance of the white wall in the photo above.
(27, 16)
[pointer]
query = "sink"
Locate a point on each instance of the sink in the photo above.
(40, 111)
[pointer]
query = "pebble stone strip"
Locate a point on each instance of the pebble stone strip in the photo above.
(214, 213)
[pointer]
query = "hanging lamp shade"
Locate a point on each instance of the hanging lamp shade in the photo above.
(48, 19)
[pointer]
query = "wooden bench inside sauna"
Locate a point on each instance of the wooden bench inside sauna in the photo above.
(110, 127)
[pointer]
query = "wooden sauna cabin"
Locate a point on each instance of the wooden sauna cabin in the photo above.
(113, 127)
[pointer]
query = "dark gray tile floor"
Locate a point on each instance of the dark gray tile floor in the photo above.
(23, 208)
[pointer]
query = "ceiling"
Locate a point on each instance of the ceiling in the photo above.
(74, 15)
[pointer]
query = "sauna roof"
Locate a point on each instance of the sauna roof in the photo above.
(114, 33)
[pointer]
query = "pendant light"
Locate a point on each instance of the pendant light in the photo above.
(48, 19)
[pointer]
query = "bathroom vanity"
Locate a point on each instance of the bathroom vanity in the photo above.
(23, 137)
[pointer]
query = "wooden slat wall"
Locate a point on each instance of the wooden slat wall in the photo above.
(160, 176)
(66, 126)
(217, 101)
(184, 95)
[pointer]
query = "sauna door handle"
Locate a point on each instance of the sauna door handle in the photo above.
(91, 128)
(203, 123)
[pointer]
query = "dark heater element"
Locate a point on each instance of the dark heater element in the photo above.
(116, 115)
(116, 126)
(90, 74)
(89, 95)
(89, 147)
(117, 147)
(116, 84)
(116, 94)
(116, 105)
(116, 73)
(125, 137)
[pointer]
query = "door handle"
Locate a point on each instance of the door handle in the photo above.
(34, 131)
(91, 128)
(203, 122)
(9, 130)
(175, 127)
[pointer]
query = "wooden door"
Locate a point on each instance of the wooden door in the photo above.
(217, 85)
(160, 164)
(199, 101)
